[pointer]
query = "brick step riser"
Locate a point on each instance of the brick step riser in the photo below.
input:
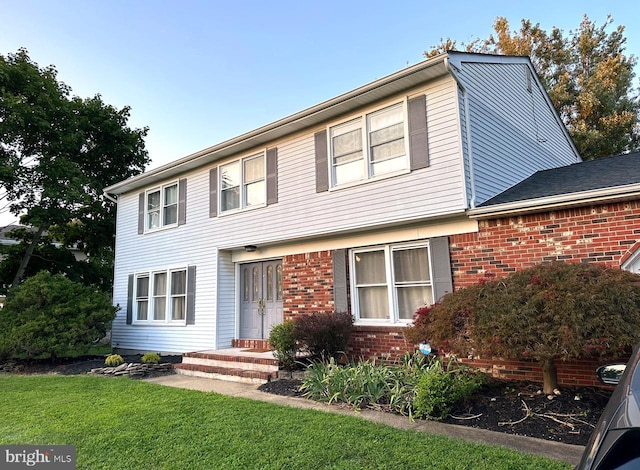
(221, 373)
(243, 364)
(250, 343)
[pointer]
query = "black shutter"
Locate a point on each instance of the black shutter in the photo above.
(130, 300)
(440, 260)
(141, 214)
(418, 148)
(340, 298)
(182, 201)
(191, 295)
(213, 192)
(322, 169)
(272, 175)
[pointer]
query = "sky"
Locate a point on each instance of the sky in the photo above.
(199, 72)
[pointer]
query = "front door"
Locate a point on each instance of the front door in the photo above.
(260, 298)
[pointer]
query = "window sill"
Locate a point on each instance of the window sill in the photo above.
(159, 323)
(160, 229)
(352, 184)
(240, 211)
(379, 324)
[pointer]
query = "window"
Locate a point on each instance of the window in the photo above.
(161, 296)
(243, 183)
(391, 282)
(162, 207)
(369, 146)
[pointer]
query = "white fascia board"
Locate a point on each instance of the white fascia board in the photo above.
(404, 79)
(598, 196)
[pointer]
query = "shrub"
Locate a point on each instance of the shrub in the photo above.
(284, 344)
(49, 315)
(550, 312)
(151, 358)
(438, 389)
(114, 360)
(324, 334)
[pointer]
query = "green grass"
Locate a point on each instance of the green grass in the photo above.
(125, 424)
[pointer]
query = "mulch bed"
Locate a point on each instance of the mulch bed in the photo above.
(515, 408)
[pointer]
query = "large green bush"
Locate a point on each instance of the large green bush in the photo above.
(324, 334)
(49, 315)
(550, 312)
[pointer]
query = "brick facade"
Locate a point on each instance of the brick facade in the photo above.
(596, 234)
(606, 234)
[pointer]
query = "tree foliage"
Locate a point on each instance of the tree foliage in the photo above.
(57, 153)
(550, 312)
(50, 315)
(586, 74)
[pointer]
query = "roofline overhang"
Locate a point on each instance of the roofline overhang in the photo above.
(327, 110)
(564, 201)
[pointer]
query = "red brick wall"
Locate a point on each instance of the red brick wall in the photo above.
(601, 234)
(307, 282)
(604, 234)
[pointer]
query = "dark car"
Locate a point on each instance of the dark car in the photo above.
(615, 442)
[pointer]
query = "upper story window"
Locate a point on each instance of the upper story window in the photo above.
(243, 183)
(163, 207)
(369, 146)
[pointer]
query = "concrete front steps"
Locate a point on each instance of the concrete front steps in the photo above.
(248, 361)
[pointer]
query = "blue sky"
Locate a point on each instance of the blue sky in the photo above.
(199, 72)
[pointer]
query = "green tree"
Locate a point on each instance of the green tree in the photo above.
(57, 152)
(550, 312)
(586, 74)
(51, 315)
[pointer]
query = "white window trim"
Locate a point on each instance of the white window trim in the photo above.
(162, 226)
(242, 206)
(391, 289)
(150, 297)
(366, 148)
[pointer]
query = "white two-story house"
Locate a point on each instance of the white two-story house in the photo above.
(346, 206)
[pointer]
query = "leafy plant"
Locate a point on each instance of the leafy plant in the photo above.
(114, 360)
(151, 358)
(50, 315)
(440, 388)
(284, 344)
(555, 311)
(324, 334)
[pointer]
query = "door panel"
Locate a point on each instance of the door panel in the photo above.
(261, 298)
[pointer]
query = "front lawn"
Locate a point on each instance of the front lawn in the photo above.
(125, 424)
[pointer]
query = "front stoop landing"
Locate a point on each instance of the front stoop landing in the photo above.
(234, 364)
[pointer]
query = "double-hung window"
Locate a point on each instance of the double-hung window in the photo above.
(391, 282)
(161, 207)
(161, 296)
(369, 146)
(243, 183)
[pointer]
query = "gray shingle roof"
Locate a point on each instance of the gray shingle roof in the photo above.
(608, 172)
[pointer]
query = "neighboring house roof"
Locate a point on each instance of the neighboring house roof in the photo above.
(5, 239)
(601, 180)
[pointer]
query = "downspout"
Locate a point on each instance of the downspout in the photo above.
(112, 199)
(467, 120)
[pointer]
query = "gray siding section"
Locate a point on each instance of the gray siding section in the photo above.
(226, 325)
(514, 132)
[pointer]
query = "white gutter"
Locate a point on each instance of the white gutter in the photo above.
(467, 119)
(108, 196)
(597, 196)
